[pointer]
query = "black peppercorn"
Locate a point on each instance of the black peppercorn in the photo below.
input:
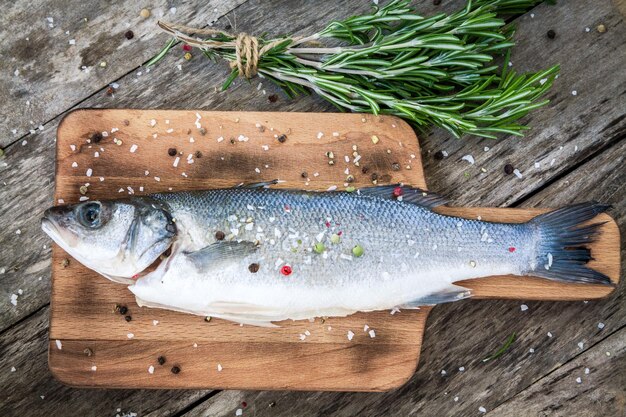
(96, 137)
(436, 2)
(254, 268)
(175, 369)
(374, 177)
(219, 235)
(304, 174)
(129, 34)
(128, 318)
(123, 310)
(438, 155)
(395, 166)
(364, 170)
(508, 169)
(282, 138)
(551, 34)
(172, 152)
(273, 98)
(198, 154)
(161, 360)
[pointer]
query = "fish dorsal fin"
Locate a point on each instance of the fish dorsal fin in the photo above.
(220, 252)
(258, 184)
(407, 194)
(448, 294)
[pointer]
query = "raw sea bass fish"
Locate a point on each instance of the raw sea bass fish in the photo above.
(256, 255)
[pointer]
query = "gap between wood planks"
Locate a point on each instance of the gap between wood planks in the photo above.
(556, 369)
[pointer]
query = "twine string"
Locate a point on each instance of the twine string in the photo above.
(247, 52)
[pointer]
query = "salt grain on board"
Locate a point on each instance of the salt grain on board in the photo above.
(151, 369)
(523, 307)
(94, 368)
(468, 158)
(13, 369)
(133, 148)
(219, 367)
(130, 335)
(59, 344)
(581, 345)
(350, 334)
(482, 409)
(372, 333)
(239, 412)
(600, 325)
(89, 172)
(517, 173)
(579, 380)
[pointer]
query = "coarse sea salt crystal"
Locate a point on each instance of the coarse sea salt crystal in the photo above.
(74, 165)
(13, 369)
(133, 148)
(155, 322)
(468, 158)
(587, 371)
(94, 368)
(462, 369)
(372, 333)
(151, 369)
(523, 307)
(579, 380)
(350, 334)
(83, 198)
(157, 178)
(581, 345)
(59, 344)
(130, 335)
(153, 122)
(600, 325)
(517, 173)
(220, 139)
(574, 92)
(531, 350)
(443, 372)
(482, 409)
(176, 161)
(239, 412)
(549, 334)
(219, 367)
(14, 299)
(319, 135)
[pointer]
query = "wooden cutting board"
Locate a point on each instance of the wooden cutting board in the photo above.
(92, 345)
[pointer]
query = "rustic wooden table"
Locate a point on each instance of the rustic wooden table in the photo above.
(569, 357)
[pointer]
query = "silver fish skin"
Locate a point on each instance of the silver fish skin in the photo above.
(305, 246)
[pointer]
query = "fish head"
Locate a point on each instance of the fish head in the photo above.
(117, 239)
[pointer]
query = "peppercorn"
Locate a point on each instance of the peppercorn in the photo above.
(129, 34)
(172, 151)
(350, 178)
(65, 263)
(273, 98)
(175, 369)
(202, 131)
(219, 235)
(436, 2)
(126, 122)
(96, 137)
(198, 154)
(551, 34)
(128, 318)
(188, 56)
(123, 310)
(438, 156)
(364, 170)
(254, 268)
(395, 166)
(508, 169)
(374, 177)
(304, 174)
(207, 319)
(161, 360)
(110, 91)
(145, 13)
(282, 138)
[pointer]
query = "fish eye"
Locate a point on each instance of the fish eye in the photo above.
(89, 215)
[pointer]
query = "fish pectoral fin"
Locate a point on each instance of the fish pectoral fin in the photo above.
(449, 294)
(411, 195)
(220, 252)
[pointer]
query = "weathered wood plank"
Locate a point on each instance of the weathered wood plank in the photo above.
(601, 391)
(462, 334)
(25, 348)
(55, 64)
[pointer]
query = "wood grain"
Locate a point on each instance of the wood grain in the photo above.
(83, 302)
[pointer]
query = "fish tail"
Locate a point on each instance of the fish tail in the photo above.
(563, 251)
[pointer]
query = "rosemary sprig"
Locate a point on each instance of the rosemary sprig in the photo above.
(436, 70)
(504, 348)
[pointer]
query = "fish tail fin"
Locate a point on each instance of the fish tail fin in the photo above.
(563, 251)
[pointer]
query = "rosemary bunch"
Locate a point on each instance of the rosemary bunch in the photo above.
(436, 70)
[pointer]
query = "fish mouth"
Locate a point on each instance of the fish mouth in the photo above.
(65, 240)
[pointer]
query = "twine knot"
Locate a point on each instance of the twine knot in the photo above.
(247, 51)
